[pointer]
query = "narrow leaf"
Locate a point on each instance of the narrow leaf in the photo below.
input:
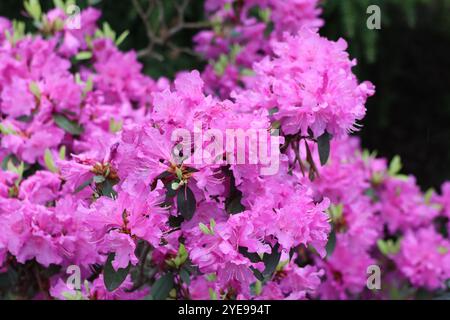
(271, 261)
(331, 244)
(62, 153)
(186, 202)
(252, 256)
(49, 162)
(204, 228)
(35, 90)
(107, 189)
(68, 125)
(395, 166)
(83, 185)
(161, 288)
(323, 143)
(83, 55)
(112, 278)
(185, 277)
(122, 37)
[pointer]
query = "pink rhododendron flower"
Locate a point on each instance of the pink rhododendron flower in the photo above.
(310, 86)
(403, 205)
(424, 258)
(444, 199)
(109, 170)
(17, 100)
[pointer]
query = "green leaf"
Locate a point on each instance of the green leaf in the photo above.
(175, 221)
(33, 7)
(276, 125)
(26, 119)
(89, 85)
(265, 15)
(6, 130)
(213, 294)
(83, 185)
(211, 277)
(428, 195)
(221, 65)
(185, 276)
(245, 72)
(234, 205)
(180, 259)
(271, 261)
(83, 55)
(179, 173)
(18, 32)
(108, 32)
(323, 143)
(186, 202)
(49, 162)
(99, 179)
(335, 212)
(235, 49)
(115, 126)
(252, 256)
(270, 26)
(372, 194)
(68, 125)
(19, 169)
(112, 278)
(395, 166)
(163, 175)
(182, 253)
(161, 288)
(331, 244)
(388, 247)
(204, 228)
(6, 159)
(107, 189)
(256, 288)
(59, 4)
(442, 250)
(171, 192)
(122, 37)
(58, 24)
(383, 247)
(62, 153)
(212, 224)
(258, 275)
(35, 90)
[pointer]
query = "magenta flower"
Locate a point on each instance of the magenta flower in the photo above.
(424, 258)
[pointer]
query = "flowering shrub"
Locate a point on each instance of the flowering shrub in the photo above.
(93, 178)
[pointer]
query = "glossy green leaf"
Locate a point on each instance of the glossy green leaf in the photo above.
(331, 244)
(68, 125)
(323, 143)
(186, 202)
(112, 278)
(271, 261)
(161, 288)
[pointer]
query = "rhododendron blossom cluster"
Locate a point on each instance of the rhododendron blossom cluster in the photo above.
(94, 176)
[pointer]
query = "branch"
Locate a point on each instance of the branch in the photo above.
(164, 33)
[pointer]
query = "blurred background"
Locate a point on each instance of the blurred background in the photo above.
(408, 60)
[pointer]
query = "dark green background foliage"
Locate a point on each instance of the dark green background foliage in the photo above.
(408, 60)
